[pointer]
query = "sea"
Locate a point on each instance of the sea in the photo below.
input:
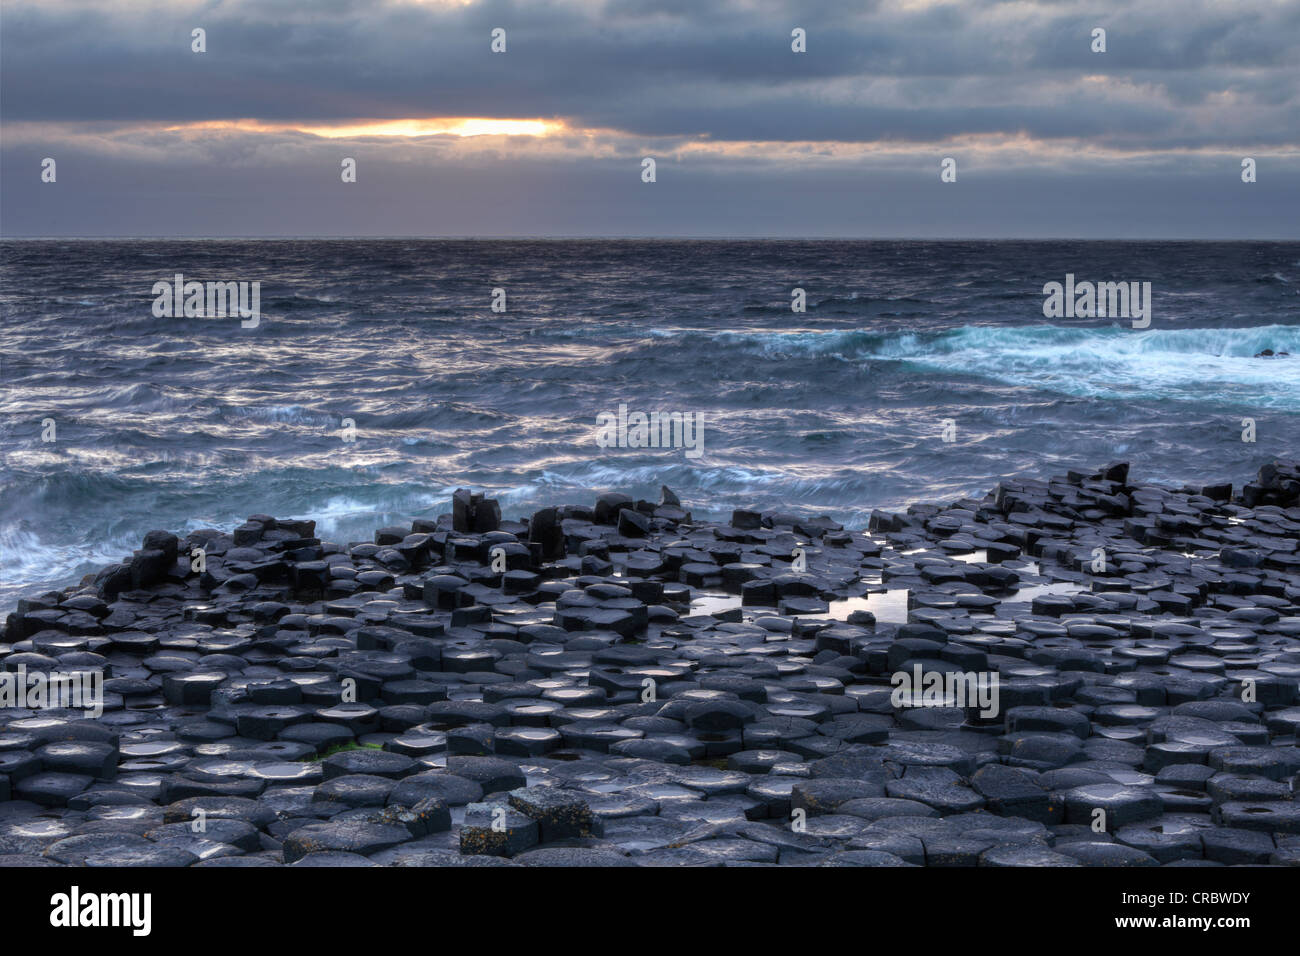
(378, 377)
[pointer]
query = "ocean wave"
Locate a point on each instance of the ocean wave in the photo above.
(1208, 364)
(280, 415)
(26, 556)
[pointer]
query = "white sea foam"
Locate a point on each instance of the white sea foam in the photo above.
(1208, 364)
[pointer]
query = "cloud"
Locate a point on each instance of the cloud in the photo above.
(652, 67)
(1185, 85)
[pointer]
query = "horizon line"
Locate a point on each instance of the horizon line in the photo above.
(635, 238)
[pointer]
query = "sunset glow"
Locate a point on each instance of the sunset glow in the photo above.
(452, 126)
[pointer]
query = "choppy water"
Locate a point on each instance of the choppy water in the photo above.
(182, 423)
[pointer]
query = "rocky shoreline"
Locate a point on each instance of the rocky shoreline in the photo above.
(620, 685)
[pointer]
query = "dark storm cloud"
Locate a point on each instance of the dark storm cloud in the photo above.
(1051, 139)
(656, 67)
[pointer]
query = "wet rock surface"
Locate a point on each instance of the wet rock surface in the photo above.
(619, 684)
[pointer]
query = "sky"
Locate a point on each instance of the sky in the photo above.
(749, 138)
